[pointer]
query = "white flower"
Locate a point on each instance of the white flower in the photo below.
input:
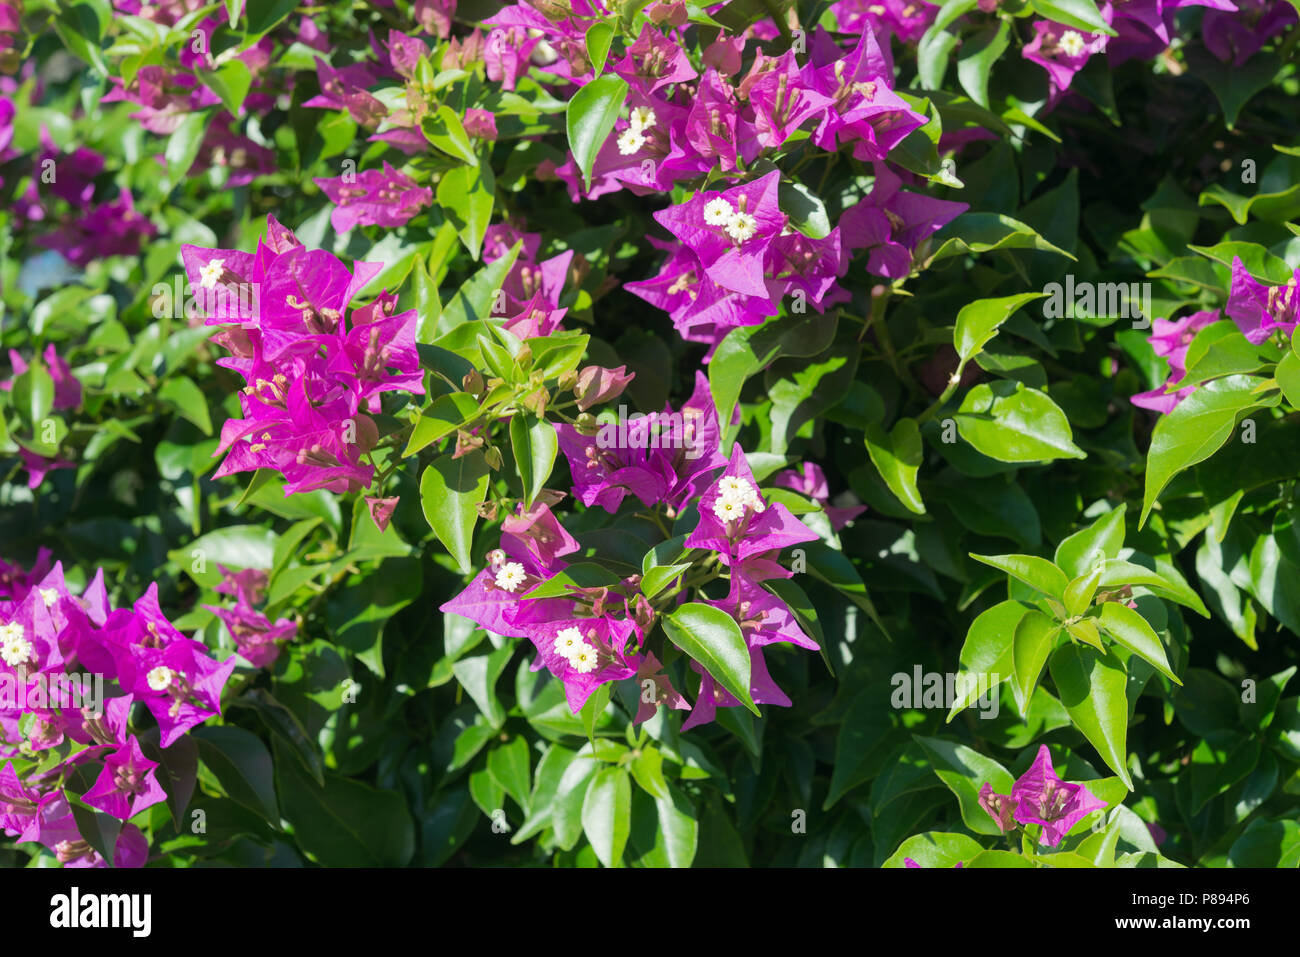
(630, 140)
(741, 227)
(1072, 43)
(49, 596)
(718, 212)
(735, 494)
(160, 678)
(728, 509)
(583, 659)
(510, 576)
(15, 649)
(642, 118)
(569, 641)
(210, 274)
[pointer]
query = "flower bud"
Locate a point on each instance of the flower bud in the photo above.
(465, 443)
(672, 13)
(473, 382)
(536, 401)
(587, 424)
(367, 431)
(493, 458)
(597, 384)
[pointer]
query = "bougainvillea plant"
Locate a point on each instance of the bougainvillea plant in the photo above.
(650, 433)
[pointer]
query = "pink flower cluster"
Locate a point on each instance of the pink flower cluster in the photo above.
(312, 360)
(58, 653)
(596, 635)
(257, 637)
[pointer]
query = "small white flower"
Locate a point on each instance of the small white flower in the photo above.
(569, 641)
(642, 119)
(718, 212)
(744, 491)
(510, 576)
(210, 274)
(728, 509)
(49, 596)
(741, 227)
(1072, 43)
(160, 678)
(15, 649)
(733, 486)
(583, 659)
(630, 140)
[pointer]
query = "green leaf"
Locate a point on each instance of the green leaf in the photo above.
(1196, 429)
(345, 823)
(607, 814)
(266, 14)
(1099, 541)
(898, 456)
(236, 546)
(599, 36)
(477, 295)
(1093, 688)
(231, 82)
(806, 211)
(1287, 374)
(712, 637)
(1033, 641)
(189, 401)
(592, 710)
(978, 322)
(478, 675)
(648, 770)
(445, 131)
(1259, 262)
(284, 724)
(546, 783)
(450, 492)
(978, 54)
(964, 771)
(987, 650)
(509, 766)
(1132, 631)
(1164, 581)
(936, 849)
(1273, 844)
(183, 145)
(447, 414)
(535, 445)
(1079, 593)
(242, 765)
(859, 746)
(1012, 423)
(1234, 86)
(466, 194)
(33, 395)
(677, 836)
(1080, 14)
(986, 232)
(590, 119)
(1037, 573)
